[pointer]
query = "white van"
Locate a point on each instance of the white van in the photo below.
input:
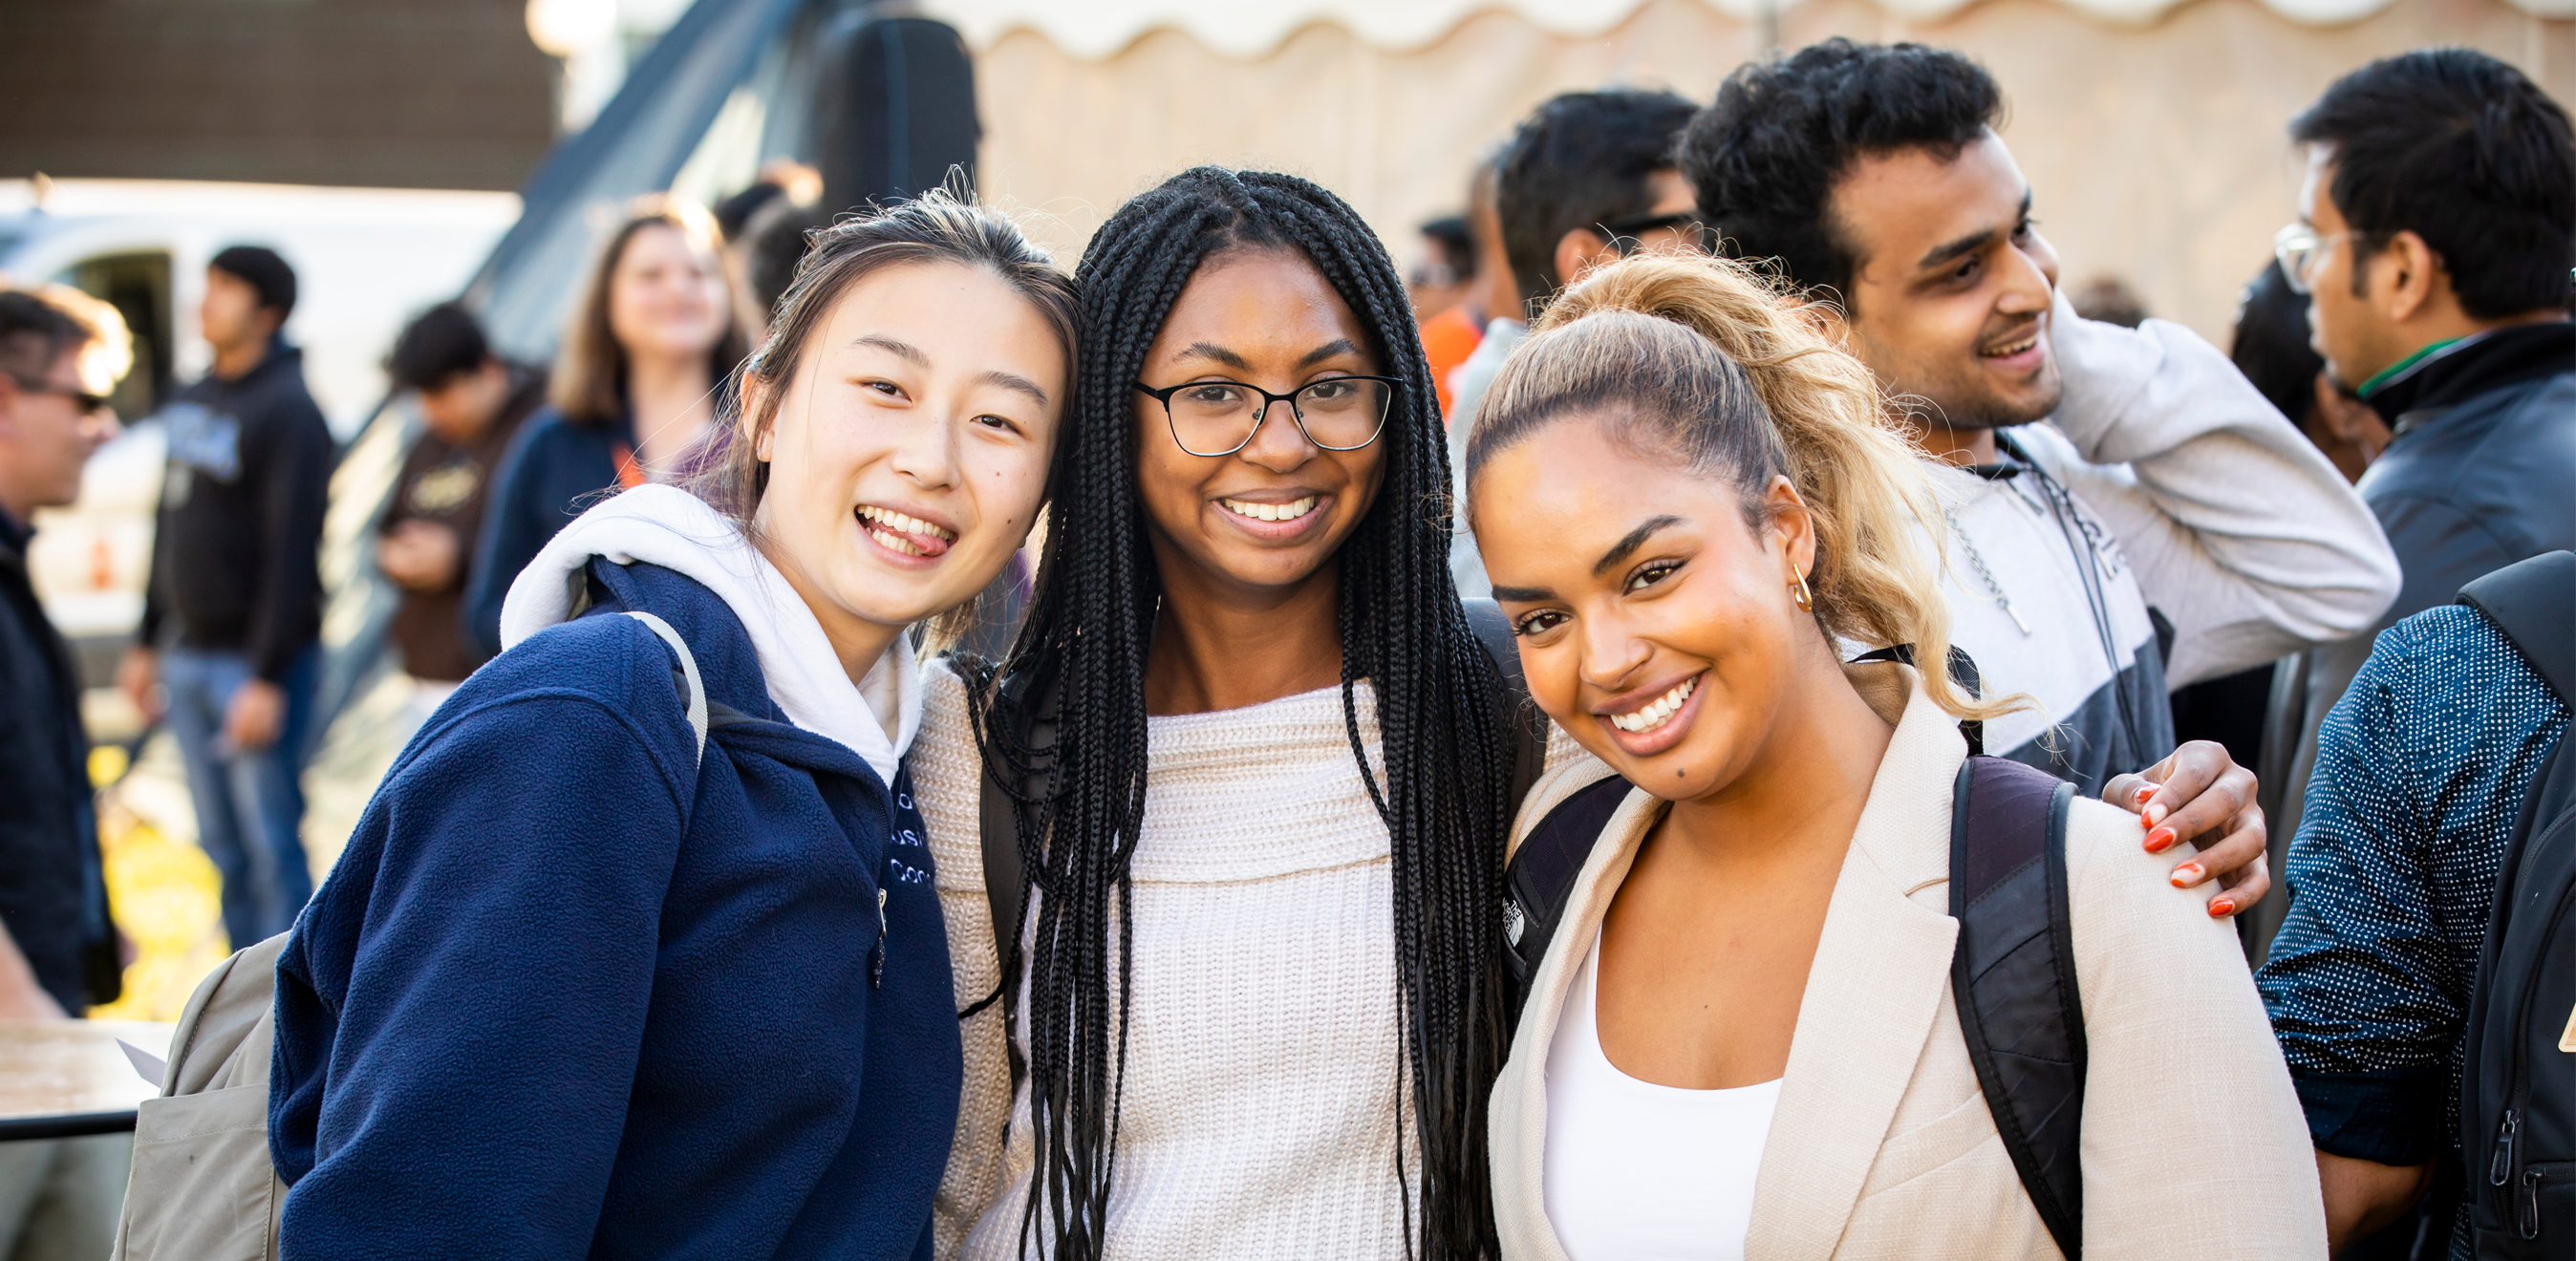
(366, 260)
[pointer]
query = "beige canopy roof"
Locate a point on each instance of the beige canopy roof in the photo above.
(2158, 150)
(1253, 28)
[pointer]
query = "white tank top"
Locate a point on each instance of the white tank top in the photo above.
(1641, 1172)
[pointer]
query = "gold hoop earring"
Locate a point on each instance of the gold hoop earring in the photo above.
(1798, 590)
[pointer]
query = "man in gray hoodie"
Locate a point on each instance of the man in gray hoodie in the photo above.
(2163, 525)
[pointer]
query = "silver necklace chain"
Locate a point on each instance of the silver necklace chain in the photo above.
(1977, 561)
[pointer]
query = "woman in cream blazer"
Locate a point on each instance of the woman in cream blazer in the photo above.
(1881, 1144)
(1688, 501)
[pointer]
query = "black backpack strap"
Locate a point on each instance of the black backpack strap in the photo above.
(2013, 977)
(1004, 883)
(1028, 708)
(1003, 878)
(1963, 671)
(1528, 726)
(2534, 603)
(2514, 1121)
(1540, 877)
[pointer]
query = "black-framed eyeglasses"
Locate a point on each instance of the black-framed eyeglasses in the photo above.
(1625, 231)
(89, 403)
(1219, 417)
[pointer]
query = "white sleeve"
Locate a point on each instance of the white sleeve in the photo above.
(2240, 531)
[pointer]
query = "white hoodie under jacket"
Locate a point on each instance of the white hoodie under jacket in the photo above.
(666, 526)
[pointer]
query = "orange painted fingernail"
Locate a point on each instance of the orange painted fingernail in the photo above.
(2154, 814)
(2186, 875)
(2221, 908)
(2160, 840)
(2146, 792)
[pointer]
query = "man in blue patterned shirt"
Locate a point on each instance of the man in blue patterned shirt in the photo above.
(2421, 769)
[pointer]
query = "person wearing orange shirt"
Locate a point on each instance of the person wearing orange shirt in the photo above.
(1446, 303)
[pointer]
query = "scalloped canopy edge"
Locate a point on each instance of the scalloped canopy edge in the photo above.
(1094, 29)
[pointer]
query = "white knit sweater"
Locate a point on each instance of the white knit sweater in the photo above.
(1260, 1111)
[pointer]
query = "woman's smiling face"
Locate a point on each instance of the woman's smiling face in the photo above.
(909, 455)
(1271, 514)
(666, 294)
(1656, 624)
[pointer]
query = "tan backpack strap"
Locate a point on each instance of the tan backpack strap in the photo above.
(688, 670)
(226, 1012)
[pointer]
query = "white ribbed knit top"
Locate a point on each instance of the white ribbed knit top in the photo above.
(1260, 1110)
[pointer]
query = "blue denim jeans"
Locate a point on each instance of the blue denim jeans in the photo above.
(249, 807)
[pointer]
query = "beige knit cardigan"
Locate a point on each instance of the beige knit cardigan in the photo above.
(1260, 1117)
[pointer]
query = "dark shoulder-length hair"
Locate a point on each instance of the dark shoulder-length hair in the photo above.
(1446, 756)
(589, 385)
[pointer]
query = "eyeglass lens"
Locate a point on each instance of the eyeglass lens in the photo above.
(2296, 247)
(1338, 414)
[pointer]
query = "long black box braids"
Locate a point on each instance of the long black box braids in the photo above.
(1447, 758)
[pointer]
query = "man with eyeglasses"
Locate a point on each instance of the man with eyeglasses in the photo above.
(2437, 226)
(61, 353)
(1588, 178)
(2436, 230)
(2125, 513)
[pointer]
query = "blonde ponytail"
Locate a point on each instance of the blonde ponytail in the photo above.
(1704, 358)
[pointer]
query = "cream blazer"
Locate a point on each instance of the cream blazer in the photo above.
(2194, 1143)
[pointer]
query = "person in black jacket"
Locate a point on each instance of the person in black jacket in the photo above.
(233, 613)
(59, 358)
(60, 354)
(2436, 231)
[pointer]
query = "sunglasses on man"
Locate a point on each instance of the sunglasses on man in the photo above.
(89, 403)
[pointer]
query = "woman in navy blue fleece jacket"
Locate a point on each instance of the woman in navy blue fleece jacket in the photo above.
(575, 989)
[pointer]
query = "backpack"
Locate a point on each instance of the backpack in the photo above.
(1027, 701)
(2518, 1125)
(203, 1186)
(2012, 973)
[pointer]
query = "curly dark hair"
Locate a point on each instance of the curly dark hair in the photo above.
(2466, 152)
(1447, 756)
(1766, 156)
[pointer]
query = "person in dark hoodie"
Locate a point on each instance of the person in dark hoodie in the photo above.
(591, 979)
(232, 616)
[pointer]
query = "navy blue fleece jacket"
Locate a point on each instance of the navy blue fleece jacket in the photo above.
(568, 994)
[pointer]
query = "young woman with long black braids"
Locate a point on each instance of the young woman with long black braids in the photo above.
(1276, 756)
(1247, 750)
